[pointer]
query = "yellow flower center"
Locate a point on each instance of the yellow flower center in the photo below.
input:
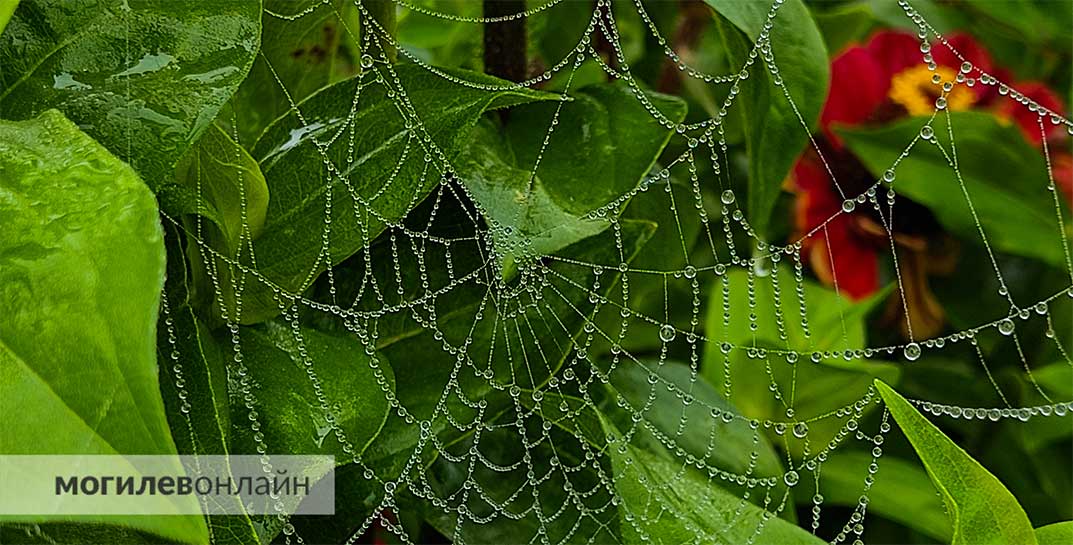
(915, 89)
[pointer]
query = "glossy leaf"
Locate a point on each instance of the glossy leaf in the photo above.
(6, 10)
(1058, 533)
(294, 420)
(843, 25)
(834, 324)
(982, 511)
(666, 502)
(143, 78)
(728, 446)
(774, 134)
(219, 181)
(298, 57)
(550, 507)
(1005, 178)
(901, 492)
(81, 269)
(201, 421)
(604, 142)
(386, 170)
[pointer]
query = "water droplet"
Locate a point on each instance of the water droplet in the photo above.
(791, 478)
(966, 67)
(848, 205)
(912, 351)
(366, 61)
(888, 176)
(1006, 326)
(800, 430)
(926, 132)
(727, 197)
(690, 271)
(667, 333)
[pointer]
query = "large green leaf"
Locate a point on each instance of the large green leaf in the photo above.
(193, 382)
(6, 10)
(219, 181)
(1058, 533)
(604, 142)
(548, 506)
(690, 427)
(901, 491)
(297, 58)
(810, 389)
(143, 78)
(774, 134)
(1005, 178)
(667, 502)
(289, 372)
(378, 157)
(981, 509)
(81, 269)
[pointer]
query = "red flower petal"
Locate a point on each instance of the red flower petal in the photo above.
(895, 51)
(859, 85)
(968, 47)
(1026, 119)
(856, 266)
(1062, 168)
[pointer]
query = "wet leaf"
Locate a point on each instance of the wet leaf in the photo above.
(143, 78)
(982, 511)
(81, 269)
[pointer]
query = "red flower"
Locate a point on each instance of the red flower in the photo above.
(875, 83)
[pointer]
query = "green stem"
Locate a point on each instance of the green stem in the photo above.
(384, 13)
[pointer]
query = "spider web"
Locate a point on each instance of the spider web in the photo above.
(545, 413)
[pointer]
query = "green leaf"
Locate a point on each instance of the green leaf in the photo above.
(81, 269)
(386, 169)
(981, 508)
(604, 142)
(901, 491)
(1004, 176)
(219, 181)
(297, 58)
(774, 134)
(834, 324)
(6, 10)
(145, 79)
(549, 507)
(1058, 533)
(293, 419)
(691, 427)
(666, 502)
(843, 24)
(227, 186)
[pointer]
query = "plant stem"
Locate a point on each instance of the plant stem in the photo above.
(505, 41)
(384, 13)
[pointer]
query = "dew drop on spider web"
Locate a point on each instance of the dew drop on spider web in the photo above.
(727, 197)
(666, 333)
(791, 478)
(1006, 326)
(800, 430)
(911, 351)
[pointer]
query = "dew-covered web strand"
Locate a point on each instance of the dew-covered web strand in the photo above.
(518, 311)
